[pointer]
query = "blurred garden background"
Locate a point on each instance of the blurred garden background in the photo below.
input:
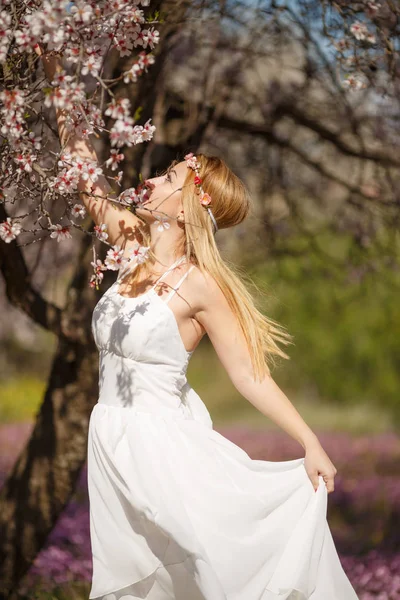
(258, 85)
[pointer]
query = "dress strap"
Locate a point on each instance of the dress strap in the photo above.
(174, 264)
(132, 264)
(177, 286)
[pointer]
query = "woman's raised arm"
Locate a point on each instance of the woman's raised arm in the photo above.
(122, 225)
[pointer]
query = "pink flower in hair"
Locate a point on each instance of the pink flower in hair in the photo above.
(191, 161)
(205, 199)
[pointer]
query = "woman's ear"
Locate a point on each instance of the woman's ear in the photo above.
(181, 217)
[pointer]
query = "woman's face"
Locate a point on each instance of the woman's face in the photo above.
(164, 194)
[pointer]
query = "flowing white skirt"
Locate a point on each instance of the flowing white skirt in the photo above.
(177, 511)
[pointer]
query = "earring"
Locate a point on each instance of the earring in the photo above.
(181, 217)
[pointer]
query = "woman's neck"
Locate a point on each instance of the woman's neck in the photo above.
(167, 246)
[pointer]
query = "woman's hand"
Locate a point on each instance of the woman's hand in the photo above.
(51, 62)
(317, 462)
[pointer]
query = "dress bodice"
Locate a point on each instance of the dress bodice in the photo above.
(143, 360)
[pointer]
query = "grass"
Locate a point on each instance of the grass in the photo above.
(20, 399)
(227, 406)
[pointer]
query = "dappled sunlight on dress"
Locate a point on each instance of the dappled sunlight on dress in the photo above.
(177, 511)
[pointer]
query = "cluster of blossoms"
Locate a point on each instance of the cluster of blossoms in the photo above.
(143, 62)
(354, 49)
(115, 260)
(9, 230)
(361, 32)
(12, 126)
(5, 34)
(83, 33)
(354, 82)
(124, 132)
(134, 196)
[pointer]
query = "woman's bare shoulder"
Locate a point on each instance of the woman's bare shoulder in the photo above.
(203, 288)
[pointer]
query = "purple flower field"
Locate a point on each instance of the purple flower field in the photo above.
(363, 510)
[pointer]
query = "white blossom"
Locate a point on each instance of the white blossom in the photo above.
(60, 232)
(353, 82)
(162, 223)
(139, 253)
(78, 210)
(359, 30)
(115, 158)
(101, 231)
(9, 230)
(115, 258)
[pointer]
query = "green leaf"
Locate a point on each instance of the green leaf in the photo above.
(157, 16)
(138, 113)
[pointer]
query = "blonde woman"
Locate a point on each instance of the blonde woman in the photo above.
(177, 511)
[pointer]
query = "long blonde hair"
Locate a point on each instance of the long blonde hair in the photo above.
(230, 206)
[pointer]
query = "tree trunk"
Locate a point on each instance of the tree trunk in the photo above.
(45, 474)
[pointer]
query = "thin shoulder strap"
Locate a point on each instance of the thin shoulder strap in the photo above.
(174, 264)
(131, 265)
(177, 286)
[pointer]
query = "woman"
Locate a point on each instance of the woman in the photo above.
(177, 511)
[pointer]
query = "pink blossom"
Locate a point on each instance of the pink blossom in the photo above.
(9, 230)
(205, 199)
(162, 223)
(115, 258)
(98, 274)
(148, 37)
(147, 131)
(92, 172)
(359, 30)
(191, 160)
(132, 196)
(24, 40)
(92, 65)
(132, 75)
(118, 108)
(60, 232)
(82, 12)
(122, 132)
(25, 161)
(101, 231)
(78, 210)
(354, 82)
(5, 34)
(372, 8)
(139, 253)
(118, 178)
(115, 158)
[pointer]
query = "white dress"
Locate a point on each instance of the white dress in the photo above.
(177, 511)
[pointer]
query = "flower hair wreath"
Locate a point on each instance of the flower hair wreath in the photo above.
(205, 199)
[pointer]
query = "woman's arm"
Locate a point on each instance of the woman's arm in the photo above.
(122, 225)
(222, 327)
